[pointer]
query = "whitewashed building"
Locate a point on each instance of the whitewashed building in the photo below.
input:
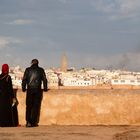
(78, 82)
(16, 81)
(126, 79)
(125, 82)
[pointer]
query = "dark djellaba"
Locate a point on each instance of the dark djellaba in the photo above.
(8, 101)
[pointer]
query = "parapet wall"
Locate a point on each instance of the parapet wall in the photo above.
(87, 107)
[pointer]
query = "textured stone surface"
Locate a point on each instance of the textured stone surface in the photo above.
(87, 107)
(54, 132)
(71, 133)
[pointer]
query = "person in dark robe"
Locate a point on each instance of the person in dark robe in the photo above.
(32, 81)
(7, 98)
(15, 110)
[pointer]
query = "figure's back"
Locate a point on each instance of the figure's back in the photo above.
(35, 77)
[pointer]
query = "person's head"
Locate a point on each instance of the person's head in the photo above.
(34, 62)
(5, 69)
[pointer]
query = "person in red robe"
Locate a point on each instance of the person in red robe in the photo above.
(7, 98)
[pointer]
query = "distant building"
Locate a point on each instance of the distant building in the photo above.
(125, 82)
(78, 82)
(64, 63)
(126, 79)
(70, 77)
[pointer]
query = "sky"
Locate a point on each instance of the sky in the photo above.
(101, 34)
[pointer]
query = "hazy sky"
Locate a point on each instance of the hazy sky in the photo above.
(92, 33)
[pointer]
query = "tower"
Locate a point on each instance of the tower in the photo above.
(64, 63)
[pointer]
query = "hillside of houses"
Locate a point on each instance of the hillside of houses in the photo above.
(81, 78)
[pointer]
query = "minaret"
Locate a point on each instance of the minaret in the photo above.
(64, 63)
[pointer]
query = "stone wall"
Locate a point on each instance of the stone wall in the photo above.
(87, 107)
